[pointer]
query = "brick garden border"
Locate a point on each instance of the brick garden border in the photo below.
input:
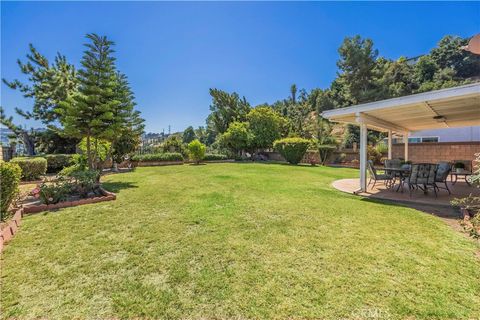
(11, 228)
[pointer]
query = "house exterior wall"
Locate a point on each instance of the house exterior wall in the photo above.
(451, 134)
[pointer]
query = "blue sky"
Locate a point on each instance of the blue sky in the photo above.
(173, 52)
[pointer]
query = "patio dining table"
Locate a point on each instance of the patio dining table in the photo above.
(401, 173)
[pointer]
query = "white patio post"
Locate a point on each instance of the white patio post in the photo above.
(405, 144)
(363, 157)
(389, 144)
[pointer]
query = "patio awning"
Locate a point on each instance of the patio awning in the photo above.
(451, 107)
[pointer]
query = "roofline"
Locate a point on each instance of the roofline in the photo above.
(472, 88)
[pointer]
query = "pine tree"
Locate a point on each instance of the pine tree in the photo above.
(90, 113)
(48, 85)
(128, 121)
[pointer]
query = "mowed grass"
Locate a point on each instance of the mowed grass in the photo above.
(238, 241)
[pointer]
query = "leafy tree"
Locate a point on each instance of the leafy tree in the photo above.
(53, 141)
(425, 69)
(90, 113)
(448, 54)
(48, 84)
(357, 63)
(394, 78)
(173, 144)
(265, 125)
(189, 135)
(237, 138)
(196, 151)
(225, 109)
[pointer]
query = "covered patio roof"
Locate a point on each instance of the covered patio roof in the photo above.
(452, 107)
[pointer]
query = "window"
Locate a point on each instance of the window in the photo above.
(430, 139)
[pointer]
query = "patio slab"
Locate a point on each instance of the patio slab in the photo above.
(380, 191)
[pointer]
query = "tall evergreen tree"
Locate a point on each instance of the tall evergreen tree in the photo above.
(48, 85)
(90, 113)
(127, 121)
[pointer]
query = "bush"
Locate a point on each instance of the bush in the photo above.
(292, 149)
(85, 181)
(51, 193)
(214, 157)
(10, 174)
(167, 156)
(373, 154)
(56, 162)
(196, 151)
(382, 148)
(32, 168)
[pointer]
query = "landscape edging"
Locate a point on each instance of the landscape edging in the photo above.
(7, 233)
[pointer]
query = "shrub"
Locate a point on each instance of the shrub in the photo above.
(214, 157)
(196, 151)
(51, 193)
(382, 147)
(79, 163)
(85, 181)
(32, 168)
(167, 156)
(292, 149)
(373, 154)
(10, 174)
(56, 162)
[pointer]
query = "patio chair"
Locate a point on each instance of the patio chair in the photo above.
(393, 164)
(375, 176)
(422, 176)
(443, 170)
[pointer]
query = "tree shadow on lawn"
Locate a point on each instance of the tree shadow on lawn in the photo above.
(116, 187)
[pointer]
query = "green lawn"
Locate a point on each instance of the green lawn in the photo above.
(238, 241)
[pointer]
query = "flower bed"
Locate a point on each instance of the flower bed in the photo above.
(35, 207)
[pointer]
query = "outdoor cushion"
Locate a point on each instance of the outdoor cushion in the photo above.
(443, 169)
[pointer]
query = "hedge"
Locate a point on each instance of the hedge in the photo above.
(10, 174)
(154, 157)
(32, 168)
(214, 156)
(56, 162)
(292, 149)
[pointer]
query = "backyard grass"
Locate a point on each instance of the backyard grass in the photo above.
(238, 241)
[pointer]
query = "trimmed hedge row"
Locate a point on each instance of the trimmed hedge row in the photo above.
(292, 149)
(56, 162)
(214, 157)
(32, 168)
(167, 156)
(10, 174)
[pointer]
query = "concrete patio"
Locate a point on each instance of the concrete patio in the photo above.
(380, 191)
